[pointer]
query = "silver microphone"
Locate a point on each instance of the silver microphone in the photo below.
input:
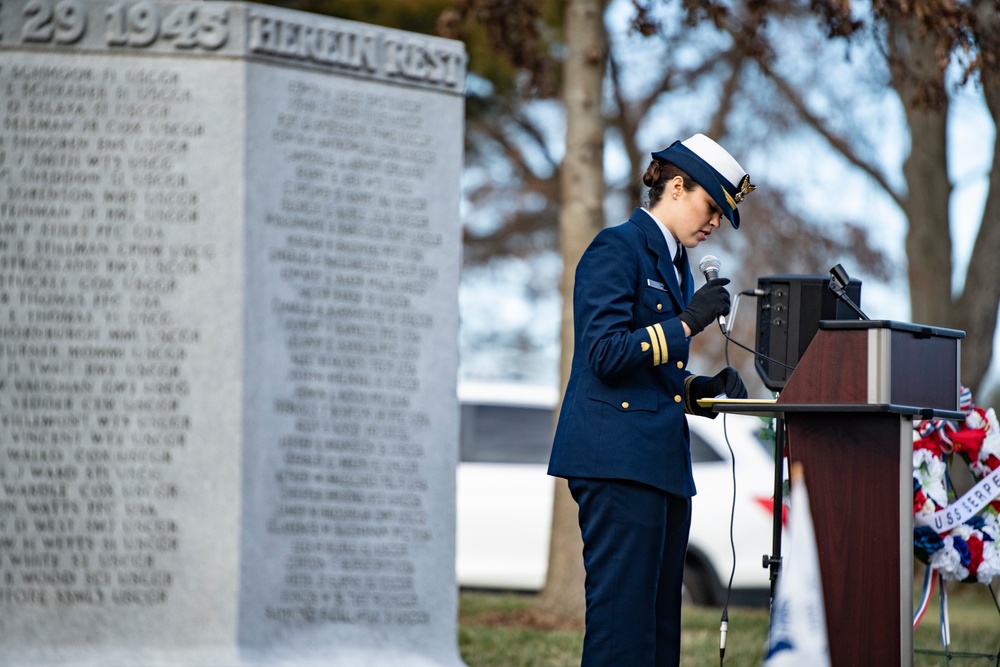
(710, 267)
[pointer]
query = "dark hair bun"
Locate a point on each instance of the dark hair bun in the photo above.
(652, 174)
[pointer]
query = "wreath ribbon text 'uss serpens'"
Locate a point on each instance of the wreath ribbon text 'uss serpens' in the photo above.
(966, 507)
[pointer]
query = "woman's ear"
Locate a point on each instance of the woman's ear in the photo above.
(676, 187)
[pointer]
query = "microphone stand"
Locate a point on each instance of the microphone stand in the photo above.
(842, 295)
(773, 563)
(838, 281)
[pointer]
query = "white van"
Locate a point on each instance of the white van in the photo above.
(504, 501)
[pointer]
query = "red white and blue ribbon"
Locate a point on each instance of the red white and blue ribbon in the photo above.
(925, 596)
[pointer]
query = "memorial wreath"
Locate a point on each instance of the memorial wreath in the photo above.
(959, 537)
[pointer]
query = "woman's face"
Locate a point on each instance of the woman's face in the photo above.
(695, 215)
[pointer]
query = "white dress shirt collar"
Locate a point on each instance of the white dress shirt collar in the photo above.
(671, 243)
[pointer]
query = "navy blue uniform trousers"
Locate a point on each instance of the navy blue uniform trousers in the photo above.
(634, 543)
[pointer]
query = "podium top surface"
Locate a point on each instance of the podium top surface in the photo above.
(763, 407)
(921, 330)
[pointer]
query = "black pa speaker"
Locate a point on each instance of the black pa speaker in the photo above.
(788, 316)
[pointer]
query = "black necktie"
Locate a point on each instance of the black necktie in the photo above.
(679, 263)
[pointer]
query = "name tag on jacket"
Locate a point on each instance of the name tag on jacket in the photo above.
(655, 285)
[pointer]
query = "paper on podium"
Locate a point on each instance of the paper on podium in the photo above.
(759, 407)
(709, 402)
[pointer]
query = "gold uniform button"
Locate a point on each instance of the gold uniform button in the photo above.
(659, 306)
(624, 405)
(677, 399)
(680, 364)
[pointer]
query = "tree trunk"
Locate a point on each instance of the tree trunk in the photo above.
(976, 310)
(920, 85)
(581, 217)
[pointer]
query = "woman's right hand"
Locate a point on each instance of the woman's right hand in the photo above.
(707, 304)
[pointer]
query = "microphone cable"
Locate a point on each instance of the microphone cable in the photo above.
(724, 625)
(749, 292)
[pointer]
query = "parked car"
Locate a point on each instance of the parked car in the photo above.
(504, 503)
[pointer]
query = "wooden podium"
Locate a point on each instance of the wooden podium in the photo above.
(848, 410)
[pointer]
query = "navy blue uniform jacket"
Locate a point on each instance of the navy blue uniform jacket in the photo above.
(623, 413)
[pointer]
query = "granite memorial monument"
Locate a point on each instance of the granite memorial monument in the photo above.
(229, 257)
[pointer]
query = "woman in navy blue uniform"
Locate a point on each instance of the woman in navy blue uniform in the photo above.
(622, 439)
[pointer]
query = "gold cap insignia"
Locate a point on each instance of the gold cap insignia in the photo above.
(745, 188)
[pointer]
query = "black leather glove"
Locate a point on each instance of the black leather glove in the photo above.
(710, 301)
(727, 381)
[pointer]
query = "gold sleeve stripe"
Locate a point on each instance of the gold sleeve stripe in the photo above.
(663, 342)
(687, 394)
(654, 341)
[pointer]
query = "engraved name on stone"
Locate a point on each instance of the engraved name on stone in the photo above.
(355, 237)
(93, 349)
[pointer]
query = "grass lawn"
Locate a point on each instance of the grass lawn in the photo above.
(504, 630)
